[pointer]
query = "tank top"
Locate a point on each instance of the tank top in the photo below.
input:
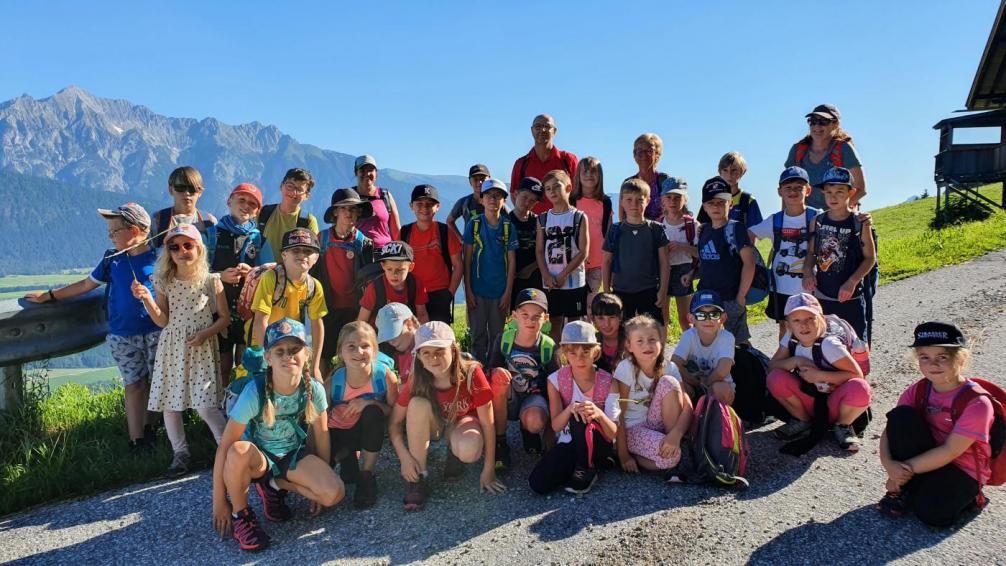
(378, 226)
(561, 244)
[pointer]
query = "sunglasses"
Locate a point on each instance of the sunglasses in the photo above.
(188, 189)
(819, 121)
(704, 315)
(187, 246)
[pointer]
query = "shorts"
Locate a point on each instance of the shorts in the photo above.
(643, 302)
(676, 286)
(520, 402)
(235, 337)
(776, 301)
(440, 305)
(334, 321)
(737, 321)
(568, 303)
(278, 467)
(134, 355)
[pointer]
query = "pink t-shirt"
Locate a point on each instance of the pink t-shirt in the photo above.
(974, 422)
(338, 417)
(594, 210)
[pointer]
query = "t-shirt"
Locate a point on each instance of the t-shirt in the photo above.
(832, 348)
(369, 300)
(839, 252)
(639, 390)
(676, 233)
(635, 247)
(610, 405)
(403, 365)
(719, 268)
(430, 270)
(489, 264)
(974, 422)
(527, 372)
(339, 416)
(534, 167)
(787, 266)
(594, 209)
(610, 355)
(126, 315)
(377, 226)
(527, 234)
(294, 299)
(701, 360)
(465, 209)
(468, 399)
(280, 438)
(340, 261)
(562, 244)
(280, 223)
(816, 171)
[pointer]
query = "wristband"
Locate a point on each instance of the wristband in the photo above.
(52, 297)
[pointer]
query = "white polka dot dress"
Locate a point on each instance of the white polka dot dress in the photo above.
(186, 377)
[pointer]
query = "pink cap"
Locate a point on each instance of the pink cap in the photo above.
(802, 302)
(187, 230)
(250, 190)
(434, 334)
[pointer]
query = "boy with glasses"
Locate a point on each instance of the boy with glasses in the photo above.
(705, 354)
(275, 220)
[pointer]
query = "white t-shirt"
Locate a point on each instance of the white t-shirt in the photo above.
(701, 361)
(561, 245)
(676, 233)
(639, 388)
(610, 406)
(790, 255)
(832, 348)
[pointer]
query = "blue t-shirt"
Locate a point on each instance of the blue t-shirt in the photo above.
(280, 438)
(719, 266)
(489, 264)
(839, 251)
(126, 315)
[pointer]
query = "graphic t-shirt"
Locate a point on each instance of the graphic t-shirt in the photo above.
(561, 245)
(126, 315)
(839, 253)
(295, 296)
(430, 270)
(527, 233)
(281, 438)
(527, 371)
(787, 266)
(468, 401)
(719, 267)
(701, 360)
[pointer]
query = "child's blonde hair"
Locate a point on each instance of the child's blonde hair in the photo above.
(269, 408)
(461, 371)
(733, 158)
(595, 351)
(588, 163)
(186, 175)
(360, 329)
(636, 324)
(165, 269)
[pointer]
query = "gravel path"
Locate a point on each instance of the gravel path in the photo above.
(813, 509)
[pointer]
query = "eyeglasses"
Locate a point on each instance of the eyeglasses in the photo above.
(707, 315)
(819, 121)
(187, 246)
(112, 233)
(294, 189)
(185, 189)
(647, 151)
(286, 352)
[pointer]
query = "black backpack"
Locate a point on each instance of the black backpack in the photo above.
(267, 211)
(445, 251)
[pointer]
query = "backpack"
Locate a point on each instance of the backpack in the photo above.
(377, 382)
(266, 213)
(442, 230)
(973, 388)
(719, 448)
(546, 346)
(753, 403)
(836, 326)
(616, 234)
(479, 245)
(602, 383)
(381, 294)
(164, 217)
(761, 283)
(836, 153)
(578, 218)
(777, 221)
(251, 285)
(606, 213)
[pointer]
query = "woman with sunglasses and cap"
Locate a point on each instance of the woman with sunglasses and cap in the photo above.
(827, 145)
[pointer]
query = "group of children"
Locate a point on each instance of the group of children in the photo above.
(194, 302)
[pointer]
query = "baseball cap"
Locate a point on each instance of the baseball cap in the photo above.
(836, 176)
(284, 328)
(478, 169)
(300, 238)
(706, 299)
(434, 334)
(493, 185)
(348, 197)
(390, 321)
(938, 333)
(425, 191)
(531, 184)
(791, 173)
(675, 185)
(395, 250)
(532, 296)
(130, 213)
(250, 190)
(187, 230)
(716, 188)
(802, 302)
(578, 332)
(364, 160)
(829, 111)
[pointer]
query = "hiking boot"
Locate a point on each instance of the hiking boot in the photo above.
(531, 441)
(349, 469)
(847, 438)
(792, 430)
(274, 505)
(248, 532)
(453, 467)
(502, 455)
(179, 465)
(892, 505)
(366, 490)
(581, 481)
(417, 494)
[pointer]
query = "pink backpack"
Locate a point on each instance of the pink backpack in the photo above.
(602, 383)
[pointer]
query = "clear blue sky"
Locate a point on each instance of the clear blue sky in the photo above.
(435, 86)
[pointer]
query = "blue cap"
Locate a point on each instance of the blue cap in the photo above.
(674, 185)
(791, 173)
(390, 321)
(706, 299)
(284, 328)
(836, 176)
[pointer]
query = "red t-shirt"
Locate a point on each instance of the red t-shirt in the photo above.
(340, 271)
(369, 300)
(557, 159)
(468, 401)
(430, 270)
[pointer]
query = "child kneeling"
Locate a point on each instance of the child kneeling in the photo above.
(265, 444)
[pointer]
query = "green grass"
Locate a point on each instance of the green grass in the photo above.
(44, 281)
(83, 376)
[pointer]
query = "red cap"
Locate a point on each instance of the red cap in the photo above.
(250, 190)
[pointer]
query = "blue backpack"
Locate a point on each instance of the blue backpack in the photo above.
(377, 382)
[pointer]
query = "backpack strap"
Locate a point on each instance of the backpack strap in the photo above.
(606, 214)
(380, 293)
(546, 348)
(602, 384)
(385, 196)
(507, 338)
(836, 154)
(338, 385)
(565, 379)
(410, 286)
(264, 215)
(506, 241)
(477, 242)
(793, 343)
(445, 251)
(406, 232)
(277, 293)
(616, 230)
(818, 354)
(689, 229)
(744, 203)
(163, 217)
(801, 151)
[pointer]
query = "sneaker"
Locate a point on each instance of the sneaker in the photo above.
(248, 532)
(892, 505)
(349, 469)
(532, 442)
(847, 438)
(179, 465)
(792, 430)
(453, 467)
(582, 481)
(366, 491)
(502, 455)
(274, 505)
(417, 494)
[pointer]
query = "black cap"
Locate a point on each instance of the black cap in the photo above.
(478, 169)
(395, 250)
(714, 188)
(829, 111)
(348, 197)
(938, 334)
(531, 184)
(300, 238)
(425, 191)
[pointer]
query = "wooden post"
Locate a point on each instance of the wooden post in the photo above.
(11, 387)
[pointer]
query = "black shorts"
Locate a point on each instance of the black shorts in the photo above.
(334, 321)
(567, 303)
(776, 306)
(278, 467)
(440, 305)
(643, 302)
(235, 337)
